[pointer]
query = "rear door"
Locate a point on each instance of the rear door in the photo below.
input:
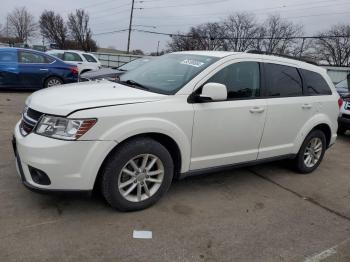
(91, 61)
(9, 68)
(229, 132)
(33, 68)
(288, 109)
(74, 59)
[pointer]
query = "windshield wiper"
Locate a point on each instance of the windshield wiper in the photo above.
(134, 84)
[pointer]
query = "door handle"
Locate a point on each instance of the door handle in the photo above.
(306, 106)
(256, 109)
(43, 69)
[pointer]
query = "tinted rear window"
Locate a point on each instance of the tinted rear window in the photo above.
(283, 81)
(315, 83)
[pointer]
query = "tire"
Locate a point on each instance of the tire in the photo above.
(341, 130)
(53, 81)
(300, 163)
(114, 176)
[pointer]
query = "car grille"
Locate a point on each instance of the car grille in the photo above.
(30, 118)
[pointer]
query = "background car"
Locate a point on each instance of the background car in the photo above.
(84, 61)
(113, 74)
(29, 69)
(344, 116)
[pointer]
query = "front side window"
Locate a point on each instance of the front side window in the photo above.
(90, 58)
(242, 80)
(69, 56)
(31, 58)
(167, 74)
(315, 83)
(283, 81)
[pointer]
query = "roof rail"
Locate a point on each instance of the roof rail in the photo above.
(303, 59)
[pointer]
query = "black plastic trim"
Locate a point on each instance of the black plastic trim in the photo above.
(234, 166)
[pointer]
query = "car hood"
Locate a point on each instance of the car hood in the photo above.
(64, 99)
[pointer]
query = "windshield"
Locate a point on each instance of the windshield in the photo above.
(169, 73)
(134, 64)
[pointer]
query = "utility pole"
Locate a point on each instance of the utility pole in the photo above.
(158, 48)
(130, 25)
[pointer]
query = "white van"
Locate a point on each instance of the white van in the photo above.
(180, 114)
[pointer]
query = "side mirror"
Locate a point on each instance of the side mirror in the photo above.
(213, 92)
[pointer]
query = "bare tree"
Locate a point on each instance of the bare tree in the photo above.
(280, 35)
(241, 31)
(207, 36)
(21, 24)
(335, 50)
(53, 27)
(78, 24)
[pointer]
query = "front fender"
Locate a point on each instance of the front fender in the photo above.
(130, 128)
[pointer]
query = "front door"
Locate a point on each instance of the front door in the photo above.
(230, 131)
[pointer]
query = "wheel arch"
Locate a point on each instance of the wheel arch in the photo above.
(168, 142)
(321, 122)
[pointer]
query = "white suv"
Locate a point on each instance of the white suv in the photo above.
(84, 61)
(181, 114)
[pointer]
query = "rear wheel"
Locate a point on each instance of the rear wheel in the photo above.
(311, 152)
(53, 81)
(137, 174)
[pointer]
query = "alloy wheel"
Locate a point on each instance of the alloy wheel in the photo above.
(141, 177)
(313, 152)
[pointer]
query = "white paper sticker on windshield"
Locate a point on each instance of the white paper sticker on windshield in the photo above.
(192, 63)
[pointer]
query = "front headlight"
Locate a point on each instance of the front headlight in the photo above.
(63, 128)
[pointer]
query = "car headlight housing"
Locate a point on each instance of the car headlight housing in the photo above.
(63, 128)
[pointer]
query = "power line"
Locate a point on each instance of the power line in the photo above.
(195, 4)
(111, 32)
(240, 38)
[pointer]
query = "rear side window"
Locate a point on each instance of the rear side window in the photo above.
(32, 58)
(69, 56)
(315, 83)
(90, 58)
(242, 80)
(8, 57)
(283, 81)
(58, 55)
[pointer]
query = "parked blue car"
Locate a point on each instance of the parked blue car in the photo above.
(29, 69)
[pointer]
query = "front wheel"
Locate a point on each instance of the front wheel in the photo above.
(137, 174)
(311, 152)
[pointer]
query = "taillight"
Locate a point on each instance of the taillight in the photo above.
(340, 102)
(74, 70)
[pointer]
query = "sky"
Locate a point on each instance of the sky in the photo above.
(171, 16)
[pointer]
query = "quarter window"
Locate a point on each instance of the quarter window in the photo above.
(283, 81)
(315, 83)
(90, 58)
(31, 58)
(242, 80)
(69, 56)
